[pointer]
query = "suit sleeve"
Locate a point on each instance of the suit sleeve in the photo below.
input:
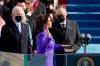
(77, 44)
(58, 47)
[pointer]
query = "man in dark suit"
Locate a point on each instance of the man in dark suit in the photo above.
(65, 32)
(15, 35)
(29, 19)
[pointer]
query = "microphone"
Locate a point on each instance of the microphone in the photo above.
(88, 38)
(82, 36)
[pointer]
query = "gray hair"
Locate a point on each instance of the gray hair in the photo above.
(19, 8)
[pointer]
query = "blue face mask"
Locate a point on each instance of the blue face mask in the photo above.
(19, 18)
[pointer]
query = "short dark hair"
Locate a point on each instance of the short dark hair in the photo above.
(41, 20)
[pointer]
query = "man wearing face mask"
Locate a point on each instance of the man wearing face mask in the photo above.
(15, 35)
(65, 31)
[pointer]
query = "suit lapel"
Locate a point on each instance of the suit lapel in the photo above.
(59, 28)
(22, 37)
(23, 29)
(67, 32)
(67, 28)
(15, 28)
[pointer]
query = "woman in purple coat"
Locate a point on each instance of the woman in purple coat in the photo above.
(45, 42)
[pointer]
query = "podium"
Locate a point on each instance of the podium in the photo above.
(74, 59)
(70, 59)
(83, 59)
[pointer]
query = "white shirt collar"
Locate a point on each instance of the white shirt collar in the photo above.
(29, 13)
(63, 23)
(17, 23)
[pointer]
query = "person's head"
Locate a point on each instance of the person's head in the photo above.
(43, 22)
(1, 2)
(18, 14)
(51, 16)
(51, 6)
(6, 1)
(29, 6)
(61, 13)
(22, 4)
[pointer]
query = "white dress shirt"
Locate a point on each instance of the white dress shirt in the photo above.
(18, 24)
(63, 23)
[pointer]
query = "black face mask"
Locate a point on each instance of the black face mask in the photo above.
(60, 18)
(19, 18)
